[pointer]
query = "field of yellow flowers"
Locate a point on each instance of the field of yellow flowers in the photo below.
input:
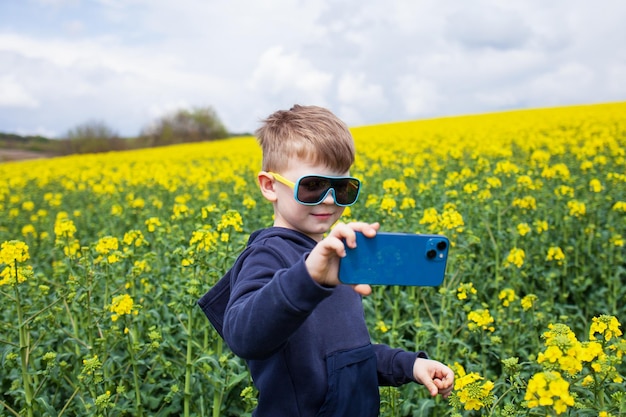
(103, 257)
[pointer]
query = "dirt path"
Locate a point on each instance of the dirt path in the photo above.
(7, 155)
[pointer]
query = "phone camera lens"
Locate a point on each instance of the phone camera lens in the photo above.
(431, 254)
(442, 245)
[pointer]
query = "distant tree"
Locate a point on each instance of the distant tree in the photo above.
(196, 125)
(91, 137)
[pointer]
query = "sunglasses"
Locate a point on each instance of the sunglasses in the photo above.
(311, 190)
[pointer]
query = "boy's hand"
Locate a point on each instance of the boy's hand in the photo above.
(323, 261)
(435, 376)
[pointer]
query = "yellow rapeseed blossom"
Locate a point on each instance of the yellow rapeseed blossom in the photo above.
(564, 191)
(204, 239)
(515, 257)
(576, 208)
(523, 229)
(395, 187)
(464, 289)
(480, 319)
(549, 389)
(617, 240)
(540, 226)
(122, 305)
(560, 171)
(407, 203)
(471, 393)
(232, 219)
(64, 228)
(619, 206)
(107, 248)
(555, 253)
(595, 185)
(249, 202)
(152, 223)
(507, 296)
(12, 254)
(134, 238)
(528, 301)
(606, 326)
(526, 203)
(381, 326)
(387, 204)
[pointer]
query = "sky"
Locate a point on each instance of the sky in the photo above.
(127, 63)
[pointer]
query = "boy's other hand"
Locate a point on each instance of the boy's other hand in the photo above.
(323, 261)
(435, 376)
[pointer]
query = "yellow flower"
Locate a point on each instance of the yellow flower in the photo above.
(607, 326)
(507, 296)
(12, 253)
(540, 226)
(249, 202)
(528, 301)
(134, 238)
(523, 229)
(617, 240)
(471, 393)
(407, 203)
(619, 206)
(464, 289)
(380, 325)
(64, 228)
(152, 223)
(595, 185)
(394, 186)
(555, 253)
(122, 305)
(515, 257)
(549, 389)
(204, 239)
(480, 319)
(107, 249)
(576, 208)
(387, 204)
(231, 218)
(526, 203)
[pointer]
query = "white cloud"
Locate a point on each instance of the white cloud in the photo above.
(419, 97)
(279, 73)
(12, 94)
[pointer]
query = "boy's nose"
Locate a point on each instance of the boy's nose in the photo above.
(330, 197)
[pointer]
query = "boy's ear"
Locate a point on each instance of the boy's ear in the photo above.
(266, 183)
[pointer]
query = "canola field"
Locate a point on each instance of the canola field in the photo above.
(103, 258)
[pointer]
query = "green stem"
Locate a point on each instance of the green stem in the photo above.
(188, 363)
(131, 352)
(24, 350)
(217, 394)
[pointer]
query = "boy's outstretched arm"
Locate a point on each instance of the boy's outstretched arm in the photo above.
(435, 376)
(323, 261)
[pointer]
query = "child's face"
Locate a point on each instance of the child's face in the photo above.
(313, 221)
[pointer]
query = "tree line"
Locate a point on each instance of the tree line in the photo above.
(195, 125)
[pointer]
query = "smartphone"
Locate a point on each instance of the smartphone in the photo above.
(396, 259)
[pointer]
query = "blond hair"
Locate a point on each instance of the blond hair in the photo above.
(305, 132)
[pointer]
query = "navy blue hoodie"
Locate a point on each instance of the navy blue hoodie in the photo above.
(307, 346)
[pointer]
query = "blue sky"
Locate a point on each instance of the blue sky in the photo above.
(128, 62)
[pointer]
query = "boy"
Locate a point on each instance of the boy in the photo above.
(281, 306)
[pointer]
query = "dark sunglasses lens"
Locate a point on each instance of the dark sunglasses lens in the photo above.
(346, 190)
(313, 189)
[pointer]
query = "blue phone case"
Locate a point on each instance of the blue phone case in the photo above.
(396, 259)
